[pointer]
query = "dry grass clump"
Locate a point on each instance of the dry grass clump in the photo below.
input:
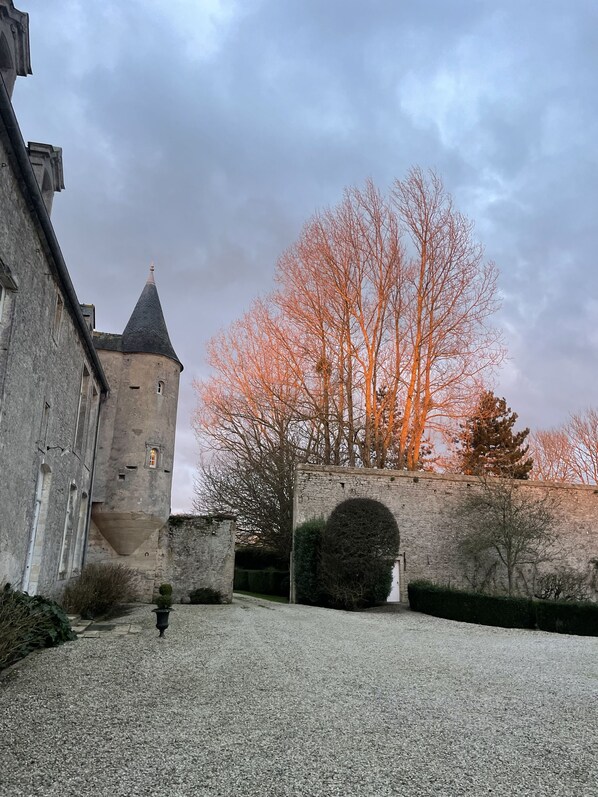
(100, 589)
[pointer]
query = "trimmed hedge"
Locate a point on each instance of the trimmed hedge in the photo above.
(241, 579)
(265, 582)
(359, 545)
(306, 556)
(253, 557)
(566, 617)
(473, 607)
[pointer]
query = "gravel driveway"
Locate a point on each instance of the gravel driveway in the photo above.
(260, 699)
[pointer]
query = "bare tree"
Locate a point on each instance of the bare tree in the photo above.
(452, 296)
(510, 530)
(568, 454)
(551, 452)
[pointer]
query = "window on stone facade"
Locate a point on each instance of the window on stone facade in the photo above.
(94, 407)
(153, 458)
(67, 534)
(82, 411)
(76, 560)
(36, 540)
(160, 388)
(58, 308)
(7, 284)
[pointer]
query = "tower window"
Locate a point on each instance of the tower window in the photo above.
(160, 388)
(153, 458)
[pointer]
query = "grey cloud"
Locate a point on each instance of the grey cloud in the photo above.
(204, 144)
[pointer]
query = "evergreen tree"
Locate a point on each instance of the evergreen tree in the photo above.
(488, 443)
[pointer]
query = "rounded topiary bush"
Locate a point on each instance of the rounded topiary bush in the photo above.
(359, 546)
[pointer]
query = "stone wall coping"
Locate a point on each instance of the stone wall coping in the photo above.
(209, 516)
(385, 473)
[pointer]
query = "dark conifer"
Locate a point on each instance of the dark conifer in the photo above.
(488, 443)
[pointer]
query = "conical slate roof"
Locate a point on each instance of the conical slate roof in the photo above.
(146, 330)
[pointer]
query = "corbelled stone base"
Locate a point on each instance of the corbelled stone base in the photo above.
(189, 551)
(126, 531)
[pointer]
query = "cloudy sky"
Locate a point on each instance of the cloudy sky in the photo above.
(201, 134)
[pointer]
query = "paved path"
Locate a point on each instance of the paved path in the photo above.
(260, 699)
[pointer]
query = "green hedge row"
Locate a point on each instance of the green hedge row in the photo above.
(473, 607)
(264, 582)
(252, 557)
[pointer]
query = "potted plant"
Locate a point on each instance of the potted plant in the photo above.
(163, 608)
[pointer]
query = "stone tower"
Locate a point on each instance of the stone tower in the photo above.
(131, 496)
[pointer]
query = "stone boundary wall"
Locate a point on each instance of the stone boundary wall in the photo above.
(425, 506)
(197, 551)
(189, 551)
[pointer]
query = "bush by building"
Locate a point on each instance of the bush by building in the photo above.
(205, 595)
(99, 589)
(27, 623)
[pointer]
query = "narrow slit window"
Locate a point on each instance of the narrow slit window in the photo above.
(160, 388)
(153, 458)
(57, 316)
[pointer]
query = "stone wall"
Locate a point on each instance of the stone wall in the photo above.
(426, 507)
(197, 551)
(47, 428)
(189, 551)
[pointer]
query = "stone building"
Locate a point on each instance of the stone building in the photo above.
(51, 379)
(87, 419)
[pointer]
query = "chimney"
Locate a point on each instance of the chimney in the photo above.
(14, 44)
(47, 166)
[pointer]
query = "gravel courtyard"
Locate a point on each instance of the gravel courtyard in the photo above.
(260, 699)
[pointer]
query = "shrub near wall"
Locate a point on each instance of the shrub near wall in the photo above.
(359, 545)
(563, 617)
(306, 560)
(264, 582)
(27, 623)
(471, 607)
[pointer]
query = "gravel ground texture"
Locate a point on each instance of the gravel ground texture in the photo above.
(260, 699)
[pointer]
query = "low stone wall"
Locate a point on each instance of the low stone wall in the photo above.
(189, 551)
(197, 551)
(426, 505)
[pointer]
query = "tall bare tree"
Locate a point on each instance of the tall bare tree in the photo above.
(378, 332)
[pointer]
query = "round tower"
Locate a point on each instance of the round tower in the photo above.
(137, 432)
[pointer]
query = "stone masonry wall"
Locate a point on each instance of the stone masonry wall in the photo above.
(189, 551)
(197, 551)
(425, 506)
(42, 357)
